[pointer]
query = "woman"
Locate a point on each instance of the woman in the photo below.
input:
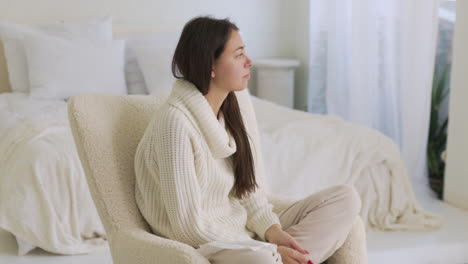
(199, 168)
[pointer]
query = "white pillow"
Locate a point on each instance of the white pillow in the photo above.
(12, 34)
(154, 56)
(60, 68)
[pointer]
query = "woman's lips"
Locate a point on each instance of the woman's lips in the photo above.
(247, 75)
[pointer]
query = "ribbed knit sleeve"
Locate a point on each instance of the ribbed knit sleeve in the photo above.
(174, 155)
(259, 213)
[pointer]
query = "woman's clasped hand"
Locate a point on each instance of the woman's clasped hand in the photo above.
(290, 250)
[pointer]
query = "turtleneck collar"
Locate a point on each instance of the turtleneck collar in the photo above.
(191, 101)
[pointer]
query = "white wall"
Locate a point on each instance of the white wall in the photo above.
(269, 27)
(456, 174)
(296, 45)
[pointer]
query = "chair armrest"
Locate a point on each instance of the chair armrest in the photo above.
(279, 202)
(140, 247)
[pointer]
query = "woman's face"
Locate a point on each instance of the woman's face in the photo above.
(231, 71)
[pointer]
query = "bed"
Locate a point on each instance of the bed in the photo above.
(44, 201)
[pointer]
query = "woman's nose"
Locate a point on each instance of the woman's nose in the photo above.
(249, 62)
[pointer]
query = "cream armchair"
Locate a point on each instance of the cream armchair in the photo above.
(107, 129)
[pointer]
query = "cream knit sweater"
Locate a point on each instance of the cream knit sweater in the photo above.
(184, 173)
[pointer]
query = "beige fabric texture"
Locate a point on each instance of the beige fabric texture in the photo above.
(107, 130)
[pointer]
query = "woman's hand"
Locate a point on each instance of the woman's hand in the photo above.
(288, 247)
(292, 256)
(276, 235)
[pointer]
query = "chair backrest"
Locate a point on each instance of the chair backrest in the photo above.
(107, 130)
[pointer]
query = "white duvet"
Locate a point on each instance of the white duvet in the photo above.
(44, 199)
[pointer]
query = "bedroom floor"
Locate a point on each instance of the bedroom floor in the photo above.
(446, 246)
(449, 245)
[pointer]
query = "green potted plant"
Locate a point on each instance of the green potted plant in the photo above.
(437, 141)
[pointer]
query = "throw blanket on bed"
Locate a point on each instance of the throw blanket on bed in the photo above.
(305, 152)
(44, 197)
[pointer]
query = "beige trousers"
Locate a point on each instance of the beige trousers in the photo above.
(320, 223)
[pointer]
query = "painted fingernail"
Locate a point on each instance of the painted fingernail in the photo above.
(310, 262)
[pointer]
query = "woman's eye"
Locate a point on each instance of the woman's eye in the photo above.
(242, 54)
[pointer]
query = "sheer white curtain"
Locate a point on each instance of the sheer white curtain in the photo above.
(371, 62)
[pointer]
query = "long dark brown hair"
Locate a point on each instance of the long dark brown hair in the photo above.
(202, 41)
